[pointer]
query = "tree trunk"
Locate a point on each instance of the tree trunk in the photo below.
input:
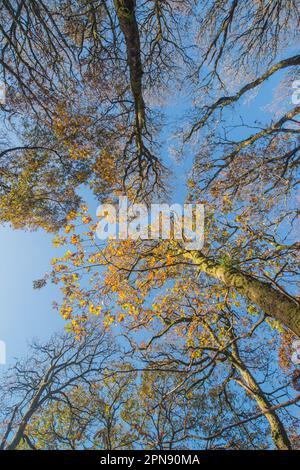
(125, 10)
(33, 407)
(272, 301)
(278, 432)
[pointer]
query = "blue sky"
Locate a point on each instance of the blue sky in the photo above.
(25, 312)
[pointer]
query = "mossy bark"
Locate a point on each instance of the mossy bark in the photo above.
(272, 301)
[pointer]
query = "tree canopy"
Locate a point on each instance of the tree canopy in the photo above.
(154, 100)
